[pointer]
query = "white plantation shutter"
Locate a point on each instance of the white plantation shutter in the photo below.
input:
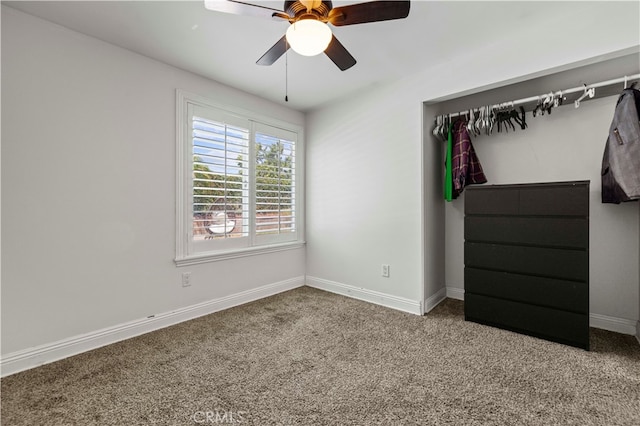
(238, 182)
(220, 189)
(275, 183)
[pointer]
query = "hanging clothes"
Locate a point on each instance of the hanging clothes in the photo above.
(621, 160)
(465, 166)
(448, 179)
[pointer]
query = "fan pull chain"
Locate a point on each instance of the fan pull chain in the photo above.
(286, 71)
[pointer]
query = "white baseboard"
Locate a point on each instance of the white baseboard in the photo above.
(455, 293)
(435, 300)
(33, 357)
(390, 301)
(619, 325)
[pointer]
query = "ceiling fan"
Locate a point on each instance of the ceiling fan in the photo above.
(309, 33)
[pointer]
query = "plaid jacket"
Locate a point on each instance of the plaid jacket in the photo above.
(466, 168)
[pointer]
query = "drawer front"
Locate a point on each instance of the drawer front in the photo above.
(545, 262)
(547, 323)
(550, 199)
(546, 231)
(571, 296)
(488, 200)
(565, 200)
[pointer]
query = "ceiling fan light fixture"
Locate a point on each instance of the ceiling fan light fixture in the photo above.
(309, 37)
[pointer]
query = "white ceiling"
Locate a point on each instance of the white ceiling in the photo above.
(225, 47)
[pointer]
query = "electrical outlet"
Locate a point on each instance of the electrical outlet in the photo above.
(186, 279)
(385, 271)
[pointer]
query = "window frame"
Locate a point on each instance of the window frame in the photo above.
(185, 250)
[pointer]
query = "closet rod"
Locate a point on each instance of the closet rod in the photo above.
(584, 88)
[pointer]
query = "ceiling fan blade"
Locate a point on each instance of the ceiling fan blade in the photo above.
(241, 8)
(373, 11)
(339, 55)
(275, 52)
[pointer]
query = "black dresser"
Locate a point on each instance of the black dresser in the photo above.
(526, 256)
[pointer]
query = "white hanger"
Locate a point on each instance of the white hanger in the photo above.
(587, 92)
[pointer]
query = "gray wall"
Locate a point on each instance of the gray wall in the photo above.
(88, 188)
(566, 145)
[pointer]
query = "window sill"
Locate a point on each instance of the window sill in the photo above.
(207, 257)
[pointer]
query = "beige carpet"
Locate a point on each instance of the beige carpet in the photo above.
(315, 358)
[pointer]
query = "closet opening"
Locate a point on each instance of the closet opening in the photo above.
(563, 144)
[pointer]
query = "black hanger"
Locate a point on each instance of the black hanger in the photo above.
(538, 109)
(516, 116)
(523, 119)
(503, 116)
(508, 117)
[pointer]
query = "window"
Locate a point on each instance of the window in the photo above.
(238, 183)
